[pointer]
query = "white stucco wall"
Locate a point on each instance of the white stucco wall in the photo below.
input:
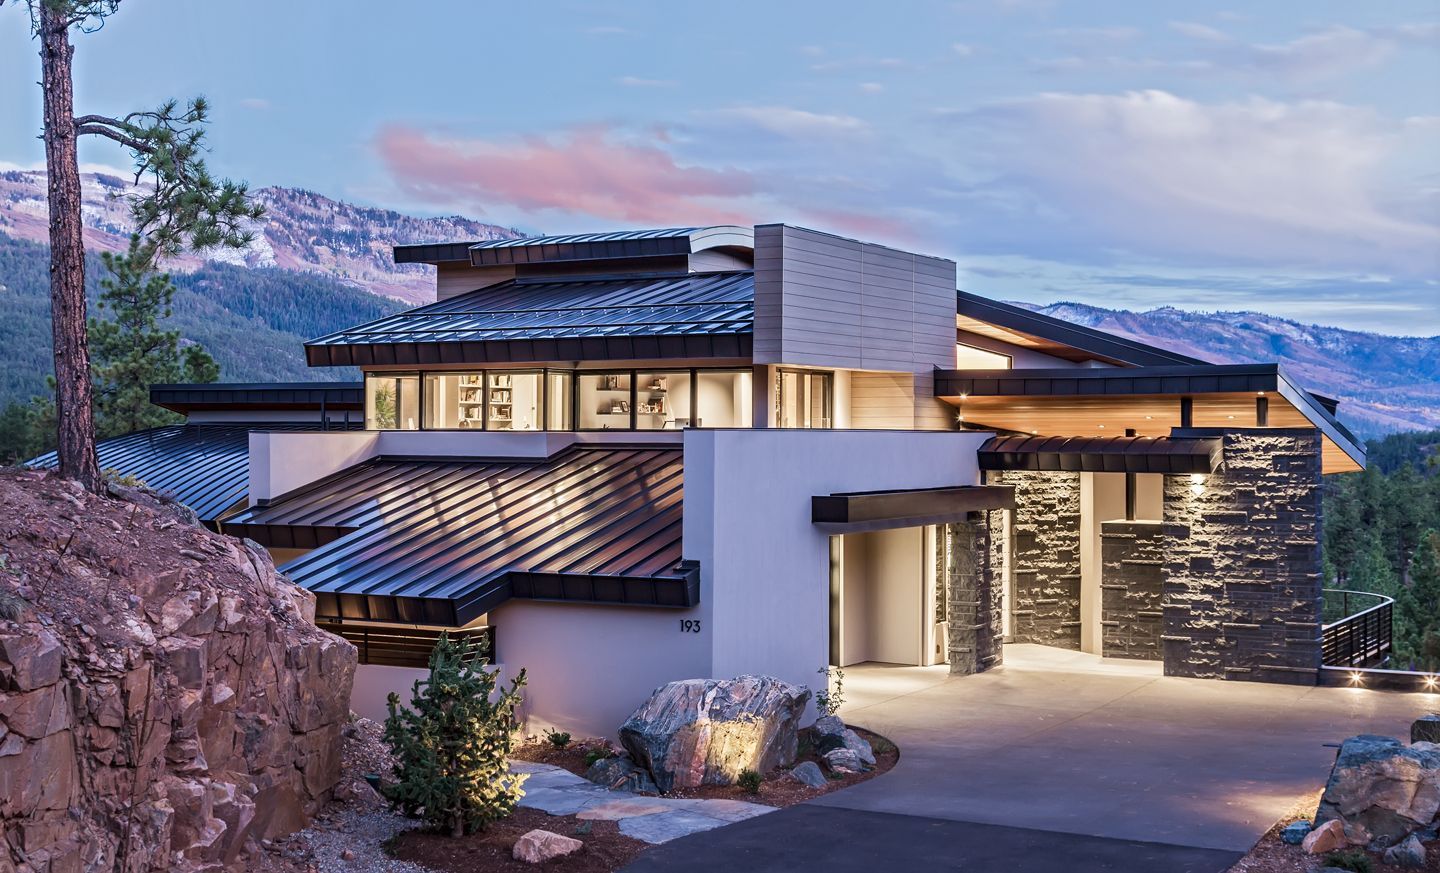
(281, 461)
(590, 666)
(764, 564)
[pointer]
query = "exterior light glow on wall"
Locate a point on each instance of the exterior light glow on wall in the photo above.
(1357, 678)
(1197, 483)
(1430, 683)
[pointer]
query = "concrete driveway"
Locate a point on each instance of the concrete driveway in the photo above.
(1065, 756)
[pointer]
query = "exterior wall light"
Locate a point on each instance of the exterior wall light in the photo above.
(1357, 678)
(1430, 682)
(1197, 484)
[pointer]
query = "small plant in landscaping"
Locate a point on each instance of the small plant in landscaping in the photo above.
(750, 781)
(881, 746)
(558, 739)
(453, 742)
(832, 697)
(1354, 860)
(596, 755)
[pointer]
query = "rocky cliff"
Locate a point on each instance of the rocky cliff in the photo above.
(166, 700)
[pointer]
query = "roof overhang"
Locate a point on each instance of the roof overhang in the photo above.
(613, 348)
(192, 397)
(1108, 401)
(1061, 339)
(622, 245)
(1101, 454)
(860, 511)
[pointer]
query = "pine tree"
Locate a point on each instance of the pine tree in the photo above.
(1417, 610)
(131, 352)
(452, 745)
(183, 206)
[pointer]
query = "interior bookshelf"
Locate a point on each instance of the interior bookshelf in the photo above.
(471, 400)
(501, 409)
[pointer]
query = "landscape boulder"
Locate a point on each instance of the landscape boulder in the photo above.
(619, 773)
(1295, 832)
(808, 773)
(831, 734)
(1381, 790)
(166, 701)
(1425, 729)
(1325, 838)
(539, 846)
(708, 731)
(1409, 854)
(843, 761)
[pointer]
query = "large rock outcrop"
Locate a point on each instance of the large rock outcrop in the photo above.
(1382, 790)
(166, 700)
(708, 731)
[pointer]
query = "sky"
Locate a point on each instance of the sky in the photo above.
(1281, 156)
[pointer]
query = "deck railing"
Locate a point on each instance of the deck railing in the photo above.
(403, 646)
(1357, 632)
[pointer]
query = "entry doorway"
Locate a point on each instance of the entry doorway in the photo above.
(887, 599)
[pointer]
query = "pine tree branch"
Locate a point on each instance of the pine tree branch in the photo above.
(109, 133)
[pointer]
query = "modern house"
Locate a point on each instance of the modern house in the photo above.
(628, 458)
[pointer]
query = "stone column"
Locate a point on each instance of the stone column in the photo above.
(1132, 578)
(1046, 552)
(1242, 566)
(973, 597)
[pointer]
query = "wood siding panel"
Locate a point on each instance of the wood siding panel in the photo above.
(882, 400)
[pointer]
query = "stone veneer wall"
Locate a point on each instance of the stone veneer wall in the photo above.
(1132, 587)
(1046, 551)
(975, 599)
(1243, 575)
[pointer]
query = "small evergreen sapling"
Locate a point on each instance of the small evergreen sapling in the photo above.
(452, 744)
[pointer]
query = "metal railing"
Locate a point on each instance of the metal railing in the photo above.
(403, 646)
(1352, 638)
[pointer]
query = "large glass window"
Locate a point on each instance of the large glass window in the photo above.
(723, 399)
(454, 401)
(513, 401)
(971, 358)
(392, 401)
(604, 401)
(557, 400)
(662, 400)
(805, 399)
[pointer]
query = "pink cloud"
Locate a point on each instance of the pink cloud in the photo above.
(583, 171)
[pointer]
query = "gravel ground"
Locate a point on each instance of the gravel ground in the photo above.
(347, 836)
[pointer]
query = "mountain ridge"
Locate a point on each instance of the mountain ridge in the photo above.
(319, 264)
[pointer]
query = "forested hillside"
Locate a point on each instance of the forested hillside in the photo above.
(1382, 534)
(253, 320)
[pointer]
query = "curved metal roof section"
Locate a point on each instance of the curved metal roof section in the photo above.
(616, 244)
(204, 466)
(444, 541)
(504, 322)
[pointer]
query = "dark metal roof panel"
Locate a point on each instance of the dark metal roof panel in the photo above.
(204, 466)
(259, 395)
(464, 533)
(1101, 454)
(551, 310)
(1045, 327)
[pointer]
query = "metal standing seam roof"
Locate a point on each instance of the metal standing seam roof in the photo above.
(702, 306)
(1118, 454)
(444, 541)
(204, 466)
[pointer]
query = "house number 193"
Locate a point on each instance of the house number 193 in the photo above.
(689, 625)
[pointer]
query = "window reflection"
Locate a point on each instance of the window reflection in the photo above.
(392, 401)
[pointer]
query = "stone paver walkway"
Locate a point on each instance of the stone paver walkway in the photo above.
(651, 819)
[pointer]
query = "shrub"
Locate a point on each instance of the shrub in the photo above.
(558, 739)
(750, 781)
(596, 755)
(452, 744)
(1354, 860)
(830, 699)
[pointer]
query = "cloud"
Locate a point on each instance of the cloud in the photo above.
(1326, 53)
(639, 82)
(961, 49)
(788, 122)
(256, 103)
(1158, 175)
(587, 171)
(871, 87)
(1195, 30)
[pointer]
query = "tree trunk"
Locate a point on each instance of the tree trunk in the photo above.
(76, 437)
